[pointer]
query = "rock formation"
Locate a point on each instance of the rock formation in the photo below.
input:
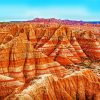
(49, 61)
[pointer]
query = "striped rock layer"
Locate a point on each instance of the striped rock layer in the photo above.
(80, 85)
(29, 50)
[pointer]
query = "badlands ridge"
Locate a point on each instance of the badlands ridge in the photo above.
(49, 61)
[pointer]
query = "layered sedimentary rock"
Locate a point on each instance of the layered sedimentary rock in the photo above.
(80, 85)
(52, 54)
(7, 85)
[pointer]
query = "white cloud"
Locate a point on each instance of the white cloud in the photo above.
(57, 12)
(26, 13)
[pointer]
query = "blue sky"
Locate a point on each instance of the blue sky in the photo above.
(14, 10)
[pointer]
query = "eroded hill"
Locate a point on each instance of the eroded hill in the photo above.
(49, 61)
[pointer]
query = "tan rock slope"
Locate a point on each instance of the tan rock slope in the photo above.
(49, 62)
(80, 85)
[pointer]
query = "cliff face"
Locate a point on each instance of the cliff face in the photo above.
(56, 52)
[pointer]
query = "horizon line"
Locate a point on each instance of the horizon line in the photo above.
(28, 19)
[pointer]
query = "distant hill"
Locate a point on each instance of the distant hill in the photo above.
(59, 21)
(63, 21)
(94, 22)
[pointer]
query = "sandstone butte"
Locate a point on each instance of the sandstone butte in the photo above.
(49, 61)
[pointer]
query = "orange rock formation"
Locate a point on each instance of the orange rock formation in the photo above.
(47, 62)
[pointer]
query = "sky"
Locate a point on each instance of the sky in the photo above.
(22, 10)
